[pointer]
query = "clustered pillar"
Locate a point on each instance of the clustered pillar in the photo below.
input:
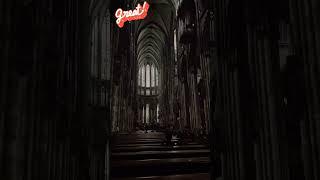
(266, 91)
(46, 129)
(192, 90)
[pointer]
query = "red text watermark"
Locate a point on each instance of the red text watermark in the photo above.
(139, 13)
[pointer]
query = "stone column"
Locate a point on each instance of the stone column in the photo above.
(145, 79)
(143, 114)
(258, 162)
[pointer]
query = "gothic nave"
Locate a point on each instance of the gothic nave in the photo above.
(195, 89)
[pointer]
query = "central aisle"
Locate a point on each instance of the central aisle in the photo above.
(144, 156)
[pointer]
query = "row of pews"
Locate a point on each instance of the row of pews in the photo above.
(142, 155)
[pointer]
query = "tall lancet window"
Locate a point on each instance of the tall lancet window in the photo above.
(139, 77)
(143, 84)
(157, 78)
(148, 79)
(152, 76)
(148, 76)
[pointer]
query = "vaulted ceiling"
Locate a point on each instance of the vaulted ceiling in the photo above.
(154, 31)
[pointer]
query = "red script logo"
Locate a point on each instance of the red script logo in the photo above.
(131, 15)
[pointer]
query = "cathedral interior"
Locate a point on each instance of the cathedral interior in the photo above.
(197, 89)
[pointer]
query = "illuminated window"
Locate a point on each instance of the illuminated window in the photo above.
(143, 76)
(148, 76)
(148, 79)
(139, 77)
(152, 77)
(157, 78)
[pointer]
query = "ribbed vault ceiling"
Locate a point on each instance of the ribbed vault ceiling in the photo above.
(153, 31)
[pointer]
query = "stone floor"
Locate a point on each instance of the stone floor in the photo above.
(144, 156)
